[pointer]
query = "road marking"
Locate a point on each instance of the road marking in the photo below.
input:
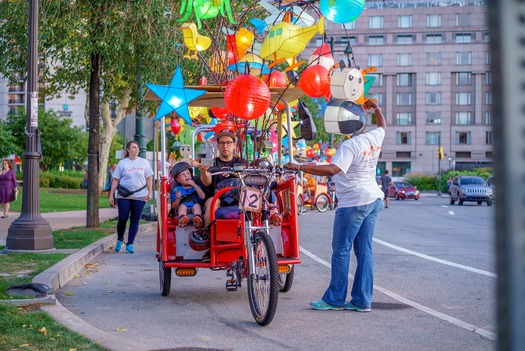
(438, 260)
(444, 206)
(442, 316)
(451, 213)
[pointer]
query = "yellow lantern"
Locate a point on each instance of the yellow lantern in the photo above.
(244, 39)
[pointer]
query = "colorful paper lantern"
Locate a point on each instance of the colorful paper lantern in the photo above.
(322, 56)
(219, 112)
(314, 81)
(276, 79)
(244, 39)
(247, 97)
(347, 84)
(310, 153)
(344, 117)
(341, 11)
(175, 125)
(193, 40)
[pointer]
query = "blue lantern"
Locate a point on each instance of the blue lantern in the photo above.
(341, 11)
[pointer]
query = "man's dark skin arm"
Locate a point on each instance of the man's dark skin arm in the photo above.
(330, 170)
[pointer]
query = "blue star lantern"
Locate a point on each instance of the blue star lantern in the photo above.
(174, 97)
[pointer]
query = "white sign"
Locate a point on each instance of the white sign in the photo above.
(34, 109)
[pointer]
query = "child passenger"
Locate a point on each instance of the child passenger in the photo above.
(185, 195)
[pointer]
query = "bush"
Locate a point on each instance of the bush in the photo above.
(426, 182)
(423, 182)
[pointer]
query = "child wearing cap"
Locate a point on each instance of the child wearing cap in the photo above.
(186, 194)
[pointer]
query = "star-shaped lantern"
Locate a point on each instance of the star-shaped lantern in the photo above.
(175, 97)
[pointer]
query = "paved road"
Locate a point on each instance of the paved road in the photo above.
(435, 289)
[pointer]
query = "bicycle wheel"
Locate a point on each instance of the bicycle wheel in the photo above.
(300, 205)
(164, 276)
(263, 279)
(286, 280)
(322, 203)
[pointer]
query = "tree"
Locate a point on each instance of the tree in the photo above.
(60, 141)
(7, 145)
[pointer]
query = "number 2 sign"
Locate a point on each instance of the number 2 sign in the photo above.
(251, 199)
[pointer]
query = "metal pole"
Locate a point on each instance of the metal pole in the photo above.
(331, 136)
(30, 231)
(139, 125)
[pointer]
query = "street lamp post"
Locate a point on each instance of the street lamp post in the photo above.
(30, 231)
(449, 163)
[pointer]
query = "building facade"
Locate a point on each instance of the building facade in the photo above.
(433, 80)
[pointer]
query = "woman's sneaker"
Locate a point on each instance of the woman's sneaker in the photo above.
(118, 247)
(129, 248)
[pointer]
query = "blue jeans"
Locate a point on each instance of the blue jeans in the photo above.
(353, 225)
(132, 209)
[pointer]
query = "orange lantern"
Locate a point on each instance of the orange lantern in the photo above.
(247, 97)
(314, 81)
(316, 146)
(276, 79)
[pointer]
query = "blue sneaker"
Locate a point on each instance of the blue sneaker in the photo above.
(323, 306)
(349, 306)
(118, 247)
(129, 248)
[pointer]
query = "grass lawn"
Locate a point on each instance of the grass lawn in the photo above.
(59, 200)
(21, 328)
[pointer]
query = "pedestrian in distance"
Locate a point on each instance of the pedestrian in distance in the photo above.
(8, 189)
(186, 194)
(132, 181)
(353, 169)
(385, 183)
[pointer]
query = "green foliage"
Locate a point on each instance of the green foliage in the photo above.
(426, 182)
(423, 182)
(60, 141)
(7, 144)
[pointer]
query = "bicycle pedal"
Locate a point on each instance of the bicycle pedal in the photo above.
(231, 285)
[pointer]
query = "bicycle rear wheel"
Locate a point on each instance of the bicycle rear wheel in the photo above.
(263, 279)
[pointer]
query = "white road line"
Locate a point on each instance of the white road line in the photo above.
(444, 206)
(442, 316)
(438, 260)
(451, 213)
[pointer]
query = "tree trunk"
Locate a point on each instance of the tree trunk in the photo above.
(92, 218)
(108, 133)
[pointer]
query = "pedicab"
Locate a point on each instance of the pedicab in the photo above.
(320, 195)
(248, 248)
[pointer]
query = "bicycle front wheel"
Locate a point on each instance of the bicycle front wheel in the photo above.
(263, 279)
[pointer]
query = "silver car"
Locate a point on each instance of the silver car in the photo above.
(470, 188)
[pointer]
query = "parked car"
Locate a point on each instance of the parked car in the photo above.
(403, 190)
(470, 188)
(491, 181)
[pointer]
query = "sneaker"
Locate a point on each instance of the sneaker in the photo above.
(321, 305)
(129, 248)
(349, 306)
(118, 247)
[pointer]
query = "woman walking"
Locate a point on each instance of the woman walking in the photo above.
(7, 186)
(132, 181)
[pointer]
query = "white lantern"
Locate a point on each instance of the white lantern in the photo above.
(347, 84)
(344, 117)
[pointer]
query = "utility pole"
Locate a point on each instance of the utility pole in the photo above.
(30, 231)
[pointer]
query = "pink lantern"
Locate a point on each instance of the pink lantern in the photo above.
(247, 97)
(314, 81)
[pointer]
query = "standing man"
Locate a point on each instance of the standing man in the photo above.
(385, 183)
(353, 169)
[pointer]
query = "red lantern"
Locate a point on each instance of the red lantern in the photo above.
(314, 81)
(276, 79)
(231, 47)
(247, 97)
(310, 153)
(175, 125)
(219, 112)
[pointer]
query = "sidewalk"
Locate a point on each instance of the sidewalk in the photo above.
(57, 220)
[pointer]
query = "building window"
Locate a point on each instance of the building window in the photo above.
(463, 38)
(375, 60)
(375, 22)
(463, 154)
(489, 154)
(434, 38)
(463, 58)
(486, 37)
(403, 138)
(378, 82)
(463, 138)
(488, 98)
(400, 169)
(404, 21)
(434, 78)
(404, 99)
(488, 118)
(376, 96)
(463, 20)
(432, 138)
(488, 78)
(404, 39)
(433, 58)
(489, 138)
(404, 118)
(404, 79)
(463, 99)
(488, 58)
(463, 78)
(404, 59)
(376, 40)
(464, 118)
(433, 98)
(433, 117)
(433, 21)
(403, 154)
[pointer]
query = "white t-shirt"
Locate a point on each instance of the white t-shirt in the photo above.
(357, 158)
(133, 174)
